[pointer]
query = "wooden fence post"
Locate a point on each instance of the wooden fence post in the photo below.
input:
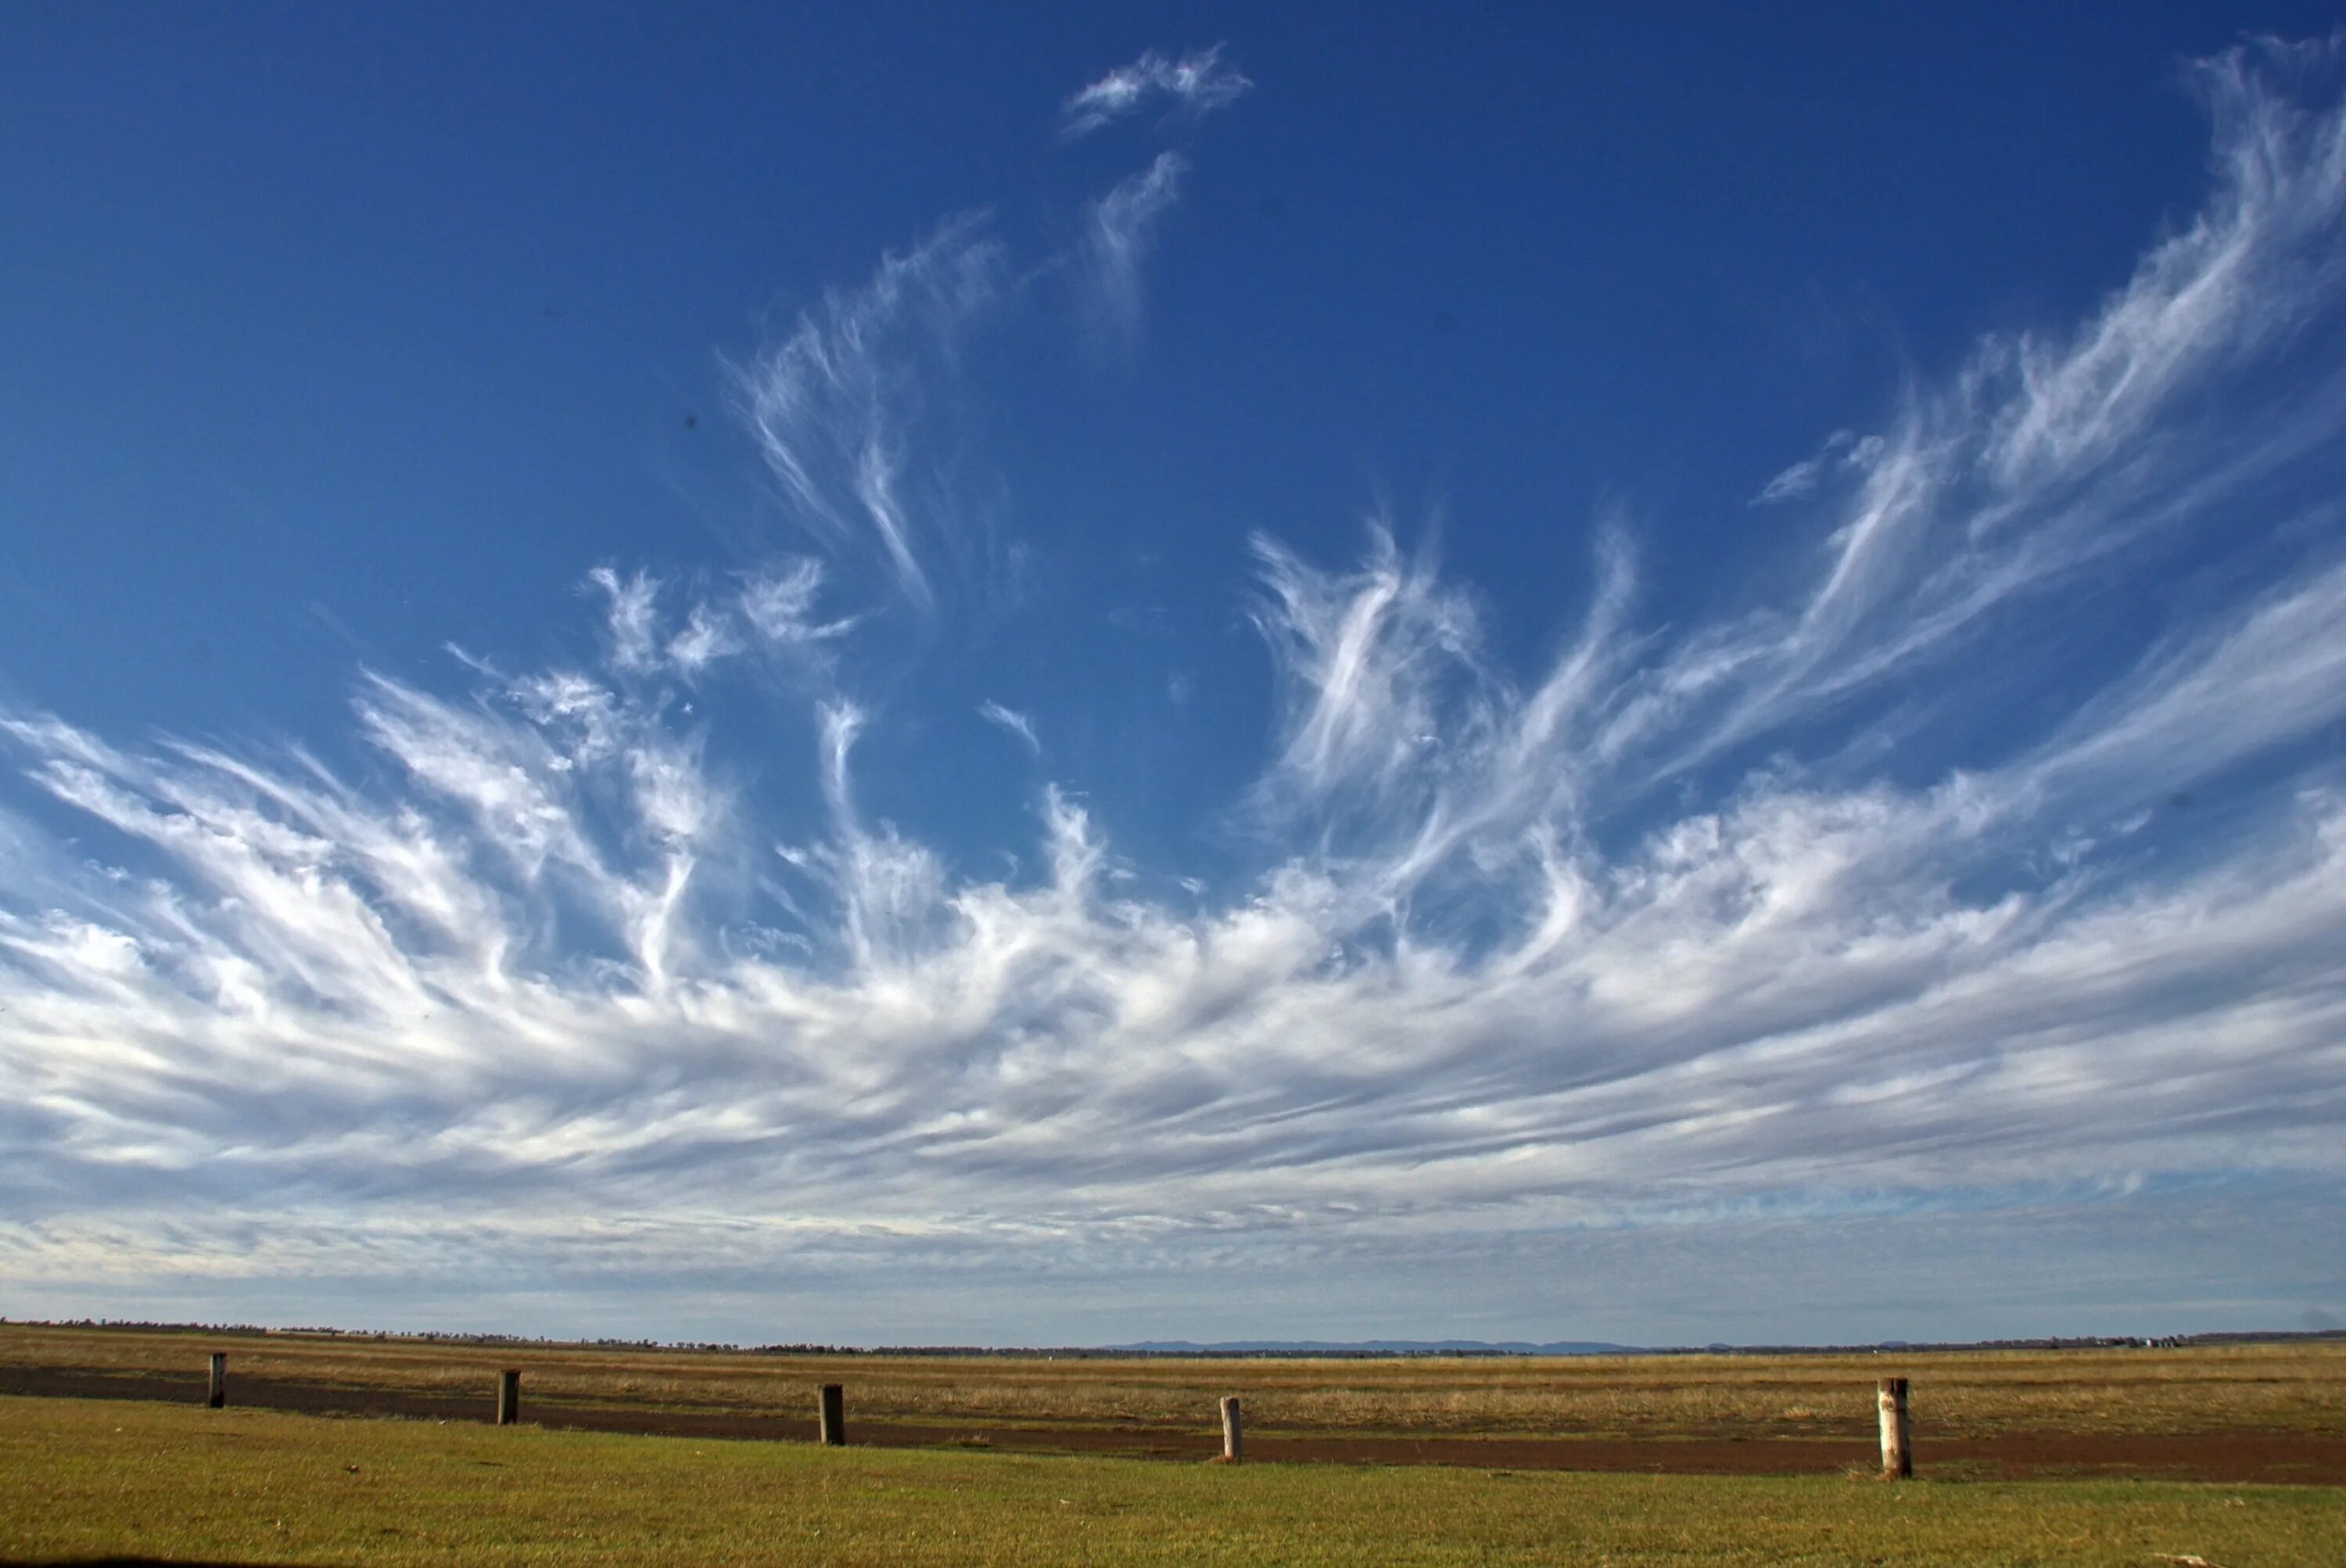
(508, 1397)
(834, 1416)
(218, 1397)
(1897, 1449)
(1233, 1438)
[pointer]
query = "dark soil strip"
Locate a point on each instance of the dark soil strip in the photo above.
(2234, 1457)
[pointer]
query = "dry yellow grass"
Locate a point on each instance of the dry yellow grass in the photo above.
(2284, 1387)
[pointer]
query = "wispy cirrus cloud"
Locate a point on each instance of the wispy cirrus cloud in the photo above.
(770, 611)
(1010, 719)
(1195, 84)
(1118, 230)
(859, 408)
(1841, 451)
(1655, 937)
(2051, 454)
(842, 406)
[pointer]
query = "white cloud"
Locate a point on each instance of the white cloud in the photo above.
(857, 410)
(2052, 455)
(771, 610)
(840, 407)
(1117, 231)
(1620, 947)
(780, 606)
(1802, 478)
(1195, 85)
(632, 618)
(1010, 719)
(706, 638)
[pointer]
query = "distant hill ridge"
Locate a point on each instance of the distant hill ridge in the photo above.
(1375, 1347)
(1364, 1347)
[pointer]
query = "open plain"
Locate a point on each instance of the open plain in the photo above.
(2259, 1412)
(2224, 1455)
(98, 1480)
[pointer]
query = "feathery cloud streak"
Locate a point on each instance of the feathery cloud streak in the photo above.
(1117, 230)
(842, 407)
(1195, 85)
(1010, 719)
(1638, 940)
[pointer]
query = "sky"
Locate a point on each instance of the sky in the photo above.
(897, 675)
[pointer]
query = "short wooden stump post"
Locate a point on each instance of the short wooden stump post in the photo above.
(1897, 1447)
(1233, 1434)
(218, 1397)
(834, 1415)
(508, 1397)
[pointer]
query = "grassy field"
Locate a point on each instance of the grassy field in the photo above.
(85, 1478)
(2290, 1387)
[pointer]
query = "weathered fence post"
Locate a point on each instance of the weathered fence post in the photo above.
(1233, 1438)
(508, 1397)
(1897, 1449)
(218, 1394)
(834, 1416)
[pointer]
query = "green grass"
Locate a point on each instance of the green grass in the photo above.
(86, 1477)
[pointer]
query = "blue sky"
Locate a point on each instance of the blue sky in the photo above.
(1046, 677)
